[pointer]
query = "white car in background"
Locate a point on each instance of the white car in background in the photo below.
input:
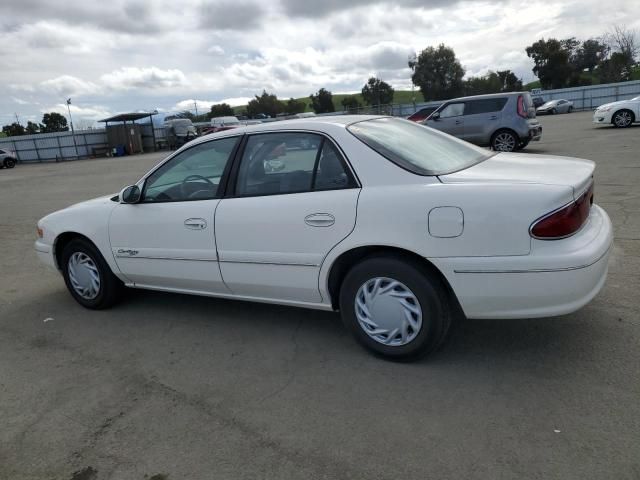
(392, 223)
(621, 114)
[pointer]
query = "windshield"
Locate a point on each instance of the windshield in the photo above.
(417, 148)
(548, 104)
(635, 99)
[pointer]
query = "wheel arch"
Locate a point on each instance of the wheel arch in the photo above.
(348, 259)
(63, 239)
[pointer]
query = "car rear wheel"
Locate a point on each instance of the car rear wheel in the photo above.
(394, 308)
(9, 162)
(88, 276)
(505, 141)
(623, 118)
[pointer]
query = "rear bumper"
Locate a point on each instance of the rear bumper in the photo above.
(535, 133)
(558, 277)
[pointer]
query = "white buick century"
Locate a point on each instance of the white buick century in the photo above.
(394, 224)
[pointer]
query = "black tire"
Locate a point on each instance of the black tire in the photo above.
(553, 111)
(523, 144)
(9, 162)
(623, 119)
(426, 287)
(110, 289)
(570, 110)
(505, 141)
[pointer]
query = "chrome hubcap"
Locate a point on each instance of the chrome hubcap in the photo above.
(84, 275)
(388, 311)
(623, 119)
(505, 142)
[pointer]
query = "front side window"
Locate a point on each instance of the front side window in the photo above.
(291, 162)
(191, 175)
(417, 148)
(452, 110)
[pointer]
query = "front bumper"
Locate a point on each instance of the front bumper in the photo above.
(45, 254)
(556, 278)
(602, 118)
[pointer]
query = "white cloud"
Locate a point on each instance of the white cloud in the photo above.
(89, 112)
(69, 85)
(151, 77)
(215, 50)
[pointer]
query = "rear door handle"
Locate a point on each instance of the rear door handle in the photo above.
(320, 220)
(493, 117)
(458, 122)
(195, 223)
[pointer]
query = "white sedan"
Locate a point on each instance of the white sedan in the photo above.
(394, 224)
(620, 114)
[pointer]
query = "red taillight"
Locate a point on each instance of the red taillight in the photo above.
(566, 221)
(522, 111)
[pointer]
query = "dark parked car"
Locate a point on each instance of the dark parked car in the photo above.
(538, 101)
(503, 121)
(422, 114)
(7, 159)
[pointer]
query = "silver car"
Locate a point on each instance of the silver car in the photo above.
(7, 158)
(504, 121)
(555, 106)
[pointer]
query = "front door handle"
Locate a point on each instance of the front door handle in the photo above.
(458, 122)
(493, 117)
(195, 223)
(320, 220)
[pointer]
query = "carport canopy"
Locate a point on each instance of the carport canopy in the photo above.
(132, 117)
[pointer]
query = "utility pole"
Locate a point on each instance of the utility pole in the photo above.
(195, 104)
(73, 133)
(17, 119)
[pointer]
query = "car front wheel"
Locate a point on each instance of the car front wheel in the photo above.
(394, 308)
(623, 119)
(9, 162)
(88, 276)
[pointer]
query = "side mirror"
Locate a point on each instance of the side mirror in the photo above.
(130, 194)
(434, 116)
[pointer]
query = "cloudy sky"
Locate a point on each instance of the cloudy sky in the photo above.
(117, 55)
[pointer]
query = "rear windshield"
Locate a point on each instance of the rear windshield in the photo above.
(417, 148)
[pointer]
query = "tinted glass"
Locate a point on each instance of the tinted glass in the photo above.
(417, 148)
(191, 175)
(278, 163)
(486, 105)
(331, 173)
(452, 110)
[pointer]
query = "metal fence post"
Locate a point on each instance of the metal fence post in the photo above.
(59, 148)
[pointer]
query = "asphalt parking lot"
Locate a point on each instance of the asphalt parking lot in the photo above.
(181, 387)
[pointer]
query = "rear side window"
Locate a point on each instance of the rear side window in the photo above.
(486, 105)
(296, 162)
(417, 148)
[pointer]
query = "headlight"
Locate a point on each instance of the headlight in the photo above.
(603, 109)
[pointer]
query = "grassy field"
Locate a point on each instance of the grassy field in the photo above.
(400, 96)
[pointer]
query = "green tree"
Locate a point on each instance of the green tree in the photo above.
(221, 110)
(624, 44)
(350, 104)
(294, 106)
(266, 103)
(322, 101)
(551, 62)
(489, 83)
(437, 72)
(590, 54)
(509, 81)
(13, 130)
(32, 128)
(54, 122)
(377, 92)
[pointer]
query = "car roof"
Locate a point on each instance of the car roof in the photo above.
(306, 123)
(487, 96)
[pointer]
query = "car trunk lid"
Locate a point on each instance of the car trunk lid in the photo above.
(518, 168)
